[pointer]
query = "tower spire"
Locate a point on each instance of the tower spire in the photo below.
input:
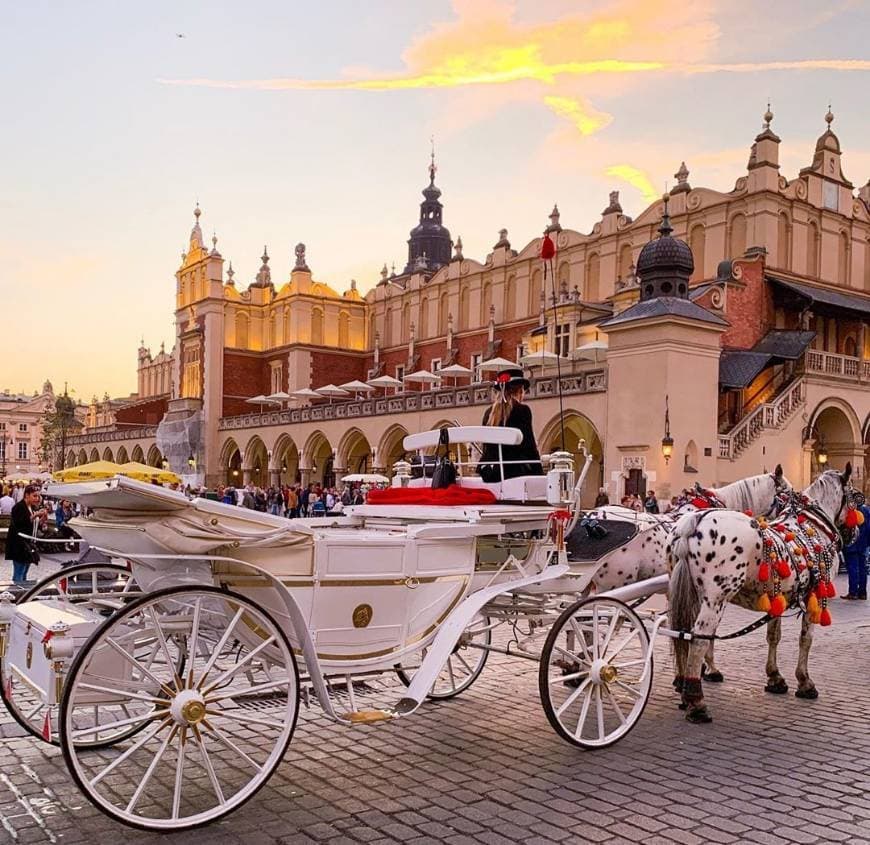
(665, 228)
(432, 167)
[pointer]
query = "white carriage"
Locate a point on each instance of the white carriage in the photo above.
(172, 680)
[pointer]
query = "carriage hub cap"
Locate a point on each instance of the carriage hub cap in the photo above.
(603, 673)
(188, 708)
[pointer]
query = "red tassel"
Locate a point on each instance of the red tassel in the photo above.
(783, 569)
(802, 518)
(763, 573)
(851, 520)
(548, 248)
(46, 726)
(748, 512)
(821, 590)
(779, 527)
(830, 591)
(825, 618)
(768, 542)
(789, 536)
(778, 605)
(817, 548)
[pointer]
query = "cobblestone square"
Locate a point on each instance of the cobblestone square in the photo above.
(487, 768)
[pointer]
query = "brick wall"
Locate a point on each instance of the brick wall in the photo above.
(245, 375)
(142, 413)
(331, 367)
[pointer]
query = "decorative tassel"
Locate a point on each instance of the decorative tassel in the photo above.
(817, 548)
(830, 590)
(763, 573)
(762, 523)
(748, 512)
(859, 516)
(778, 606)
(825, 618)
(782, 569)
(851, 520)
(46, 726)
(815, 617)
(812, 606)
(789, 536)
(763, 603)
(810, 531)
(801, 518)
(768, 542)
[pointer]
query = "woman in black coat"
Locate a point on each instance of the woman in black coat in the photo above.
(18, 549)
(509, 411)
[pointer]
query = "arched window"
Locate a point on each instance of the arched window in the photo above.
(423, 328)
(843, 253)
(535, 289)
(783, 241)
(813, 250)
(593, 278)
(464, 308)
(624, 261)
(850, 346)
(317, 327)
(241, 330)
(286, 325)
(737, 237)
(690, 458)
(272, 339)
(343, 330)
(564, 276)
(406, 323)
(510, 298)
(698, 243)
(443, 312)
(388, 327)
(485, 302)
(373, 329)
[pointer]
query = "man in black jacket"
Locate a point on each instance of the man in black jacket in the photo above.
(18, 549)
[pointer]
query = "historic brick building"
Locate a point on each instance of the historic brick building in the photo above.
(779, 371)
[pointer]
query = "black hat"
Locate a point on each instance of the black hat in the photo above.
(507, 379)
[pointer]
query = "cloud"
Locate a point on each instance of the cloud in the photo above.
(637, 179)
(586, 118)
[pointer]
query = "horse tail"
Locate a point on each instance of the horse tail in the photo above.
(684, 601)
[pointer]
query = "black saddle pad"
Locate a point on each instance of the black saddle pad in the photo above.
(583, 547)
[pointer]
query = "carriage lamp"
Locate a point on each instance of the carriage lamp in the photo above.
(667, 440)
(191, 461)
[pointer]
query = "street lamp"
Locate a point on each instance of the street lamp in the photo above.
(667, 440)
(164, 463)
(191, 462)
(822, 455)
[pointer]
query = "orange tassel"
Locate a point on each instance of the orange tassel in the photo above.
(815, 617)
(789, 536)
(778, 605)
(763, 603)
(851, 520)
(812, 606)
(763, 573)
(825, 618)
(859, 516)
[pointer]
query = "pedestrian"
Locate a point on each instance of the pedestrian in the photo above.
(651, 503)
(23, 518)
(316, 505)
(6, 503)
(856, 559)
(602, 498)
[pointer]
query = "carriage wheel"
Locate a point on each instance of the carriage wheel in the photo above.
(214, 732)
(102, 587)
(464, 664)
(596, 672)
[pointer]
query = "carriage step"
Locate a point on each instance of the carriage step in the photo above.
(367, 717)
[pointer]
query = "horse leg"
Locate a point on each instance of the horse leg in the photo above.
(806, 688)
(713, 675)
(693, 696)
(775, 682)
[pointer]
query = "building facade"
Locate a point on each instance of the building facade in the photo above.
(21, 418)
(779, 374)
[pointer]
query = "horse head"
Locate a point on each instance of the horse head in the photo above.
(832, 493)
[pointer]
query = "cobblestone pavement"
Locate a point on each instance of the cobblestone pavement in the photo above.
(487, 768)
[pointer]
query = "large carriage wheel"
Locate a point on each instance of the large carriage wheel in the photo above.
(596, 672)
(102, 587)
(464, 664)
(214, 733)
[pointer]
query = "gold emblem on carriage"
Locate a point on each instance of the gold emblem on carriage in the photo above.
(362, 615)
(28, 659)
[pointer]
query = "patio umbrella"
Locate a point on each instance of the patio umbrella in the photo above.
(366, 478)
(257, 400)
(595, 351)
(88, 472)
(278, 398)
(331, 390)
(306, 393)
(423, 377)
(385, 382)
(357, 386)
(143, 472)
(497, 364)
(542, 358)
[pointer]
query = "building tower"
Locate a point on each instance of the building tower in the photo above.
(429, 246)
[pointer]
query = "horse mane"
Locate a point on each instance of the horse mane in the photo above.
(827, 492)
(741, 491)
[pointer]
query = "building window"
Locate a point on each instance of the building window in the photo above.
(277, 376)
(22, 427)
(476, 361)
(435, 365)
(22, 451)
(370, 374)
(521, 351)
(2, 426)
(3, 449)
(562, 339)
(400, 372)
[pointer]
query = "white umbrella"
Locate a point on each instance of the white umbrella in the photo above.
(595, 350)
(497, 364)
(278, 398)
(366, 478)
(423, 377)
(257, 400)
(385, 382)
(455, 371)
(306, 393)
(331, 390)
(542, 358)
(357, 386)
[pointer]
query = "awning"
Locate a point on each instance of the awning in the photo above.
(826, 298)
(738, 369)
(785, 344)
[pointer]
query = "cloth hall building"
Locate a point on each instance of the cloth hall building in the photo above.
(741, 316)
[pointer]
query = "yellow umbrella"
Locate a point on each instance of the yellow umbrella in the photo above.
(88, 472)
(143, 472)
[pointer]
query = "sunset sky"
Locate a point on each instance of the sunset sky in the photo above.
(311, 122)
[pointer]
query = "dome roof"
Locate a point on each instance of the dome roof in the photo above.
(665, 264)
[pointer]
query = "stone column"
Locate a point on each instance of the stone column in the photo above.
(246, 476)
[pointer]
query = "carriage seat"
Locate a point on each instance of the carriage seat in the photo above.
(523, 488)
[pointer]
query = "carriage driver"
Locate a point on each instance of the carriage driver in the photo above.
(509, 410)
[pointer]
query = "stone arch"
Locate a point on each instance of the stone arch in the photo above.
(317, 458)
(354, 453)
(285, 460)
(94, 456)
(485, 303)
(390, 447)
(835, 425)
(121, 455)
(343, 330)
(423, 328)
(459, 452)
(593, 278)
(155, 459)
(577, 427)
(241, 330)
(406, 322)
(464, 308)
(231, 462)
(698, 244)
(108, 455)
(813, 251)
(690, 457)
(625, 262)
(536, 289)
(82, 457)
(443, 312)
(255, 461)
(388, 326)
(737, 235)
(137, 454)
(71, 459)
(510, 298)
(317, 326)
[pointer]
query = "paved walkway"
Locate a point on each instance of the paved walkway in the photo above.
(487, 768)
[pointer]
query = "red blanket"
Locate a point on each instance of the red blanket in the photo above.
(452, 495)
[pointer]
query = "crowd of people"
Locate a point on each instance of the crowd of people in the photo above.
(294, 500)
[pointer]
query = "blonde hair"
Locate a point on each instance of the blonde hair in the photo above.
(500, 410)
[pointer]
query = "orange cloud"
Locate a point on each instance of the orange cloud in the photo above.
(637, 179)
(586, 118)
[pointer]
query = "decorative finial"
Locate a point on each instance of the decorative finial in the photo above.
(829, 117)
(682, 175)
(665, 229)
(432, 167)
(393, 266)
(214, 240)
(265, 256)
(457, 248)
(197, 211)
(230, 274)
(353, 284)
(491, 313)
(301, 263)
(768, 117)
(555, 226)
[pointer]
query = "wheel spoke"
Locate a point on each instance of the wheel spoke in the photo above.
(599, 710)
(123, 723)
(129, 752)
(179, 772)
(627, 688)
(616, 706)
(170, 663)
(124, 693)
(220, 647)
(134, 662)
(220, 736)
(580, 635)
(610, 632)
(572, 656)
(581, 719)
(258, 688)
(194, 636)
(206, 760)
(246, 718)
(561, 679)
(232, 671)
(150, 770)
(595, 653)
(639, 662)
(464, 662)
(633, 633)
(573, 697)
(450, 672)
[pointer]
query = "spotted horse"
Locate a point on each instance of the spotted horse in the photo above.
(720, 556)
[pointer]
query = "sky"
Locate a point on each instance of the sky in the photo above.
(311, 122)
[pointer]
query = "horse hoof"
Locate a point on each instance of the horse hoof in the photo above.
(698, 716)
(812, 693)
(714, 677)
(779, 687)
